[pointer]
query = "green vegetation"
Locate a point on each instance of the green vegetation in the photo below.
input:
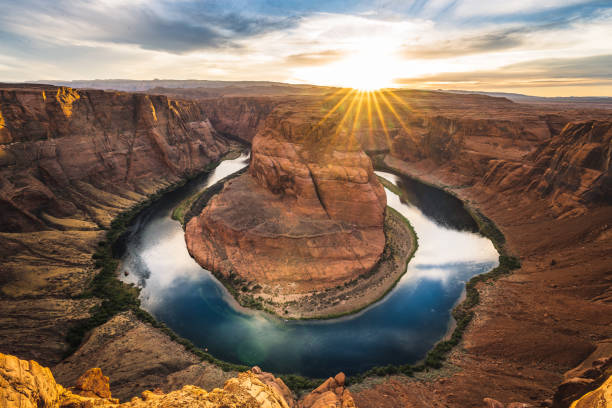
(298, 383)
(189, 346)
(178, 214)
(117, 296)
(390, 186)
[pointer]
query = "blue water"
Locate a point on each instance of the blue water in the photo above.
(399, 329)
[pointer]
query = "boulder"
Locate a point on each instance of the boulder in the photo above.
(93, 384)
(330, 394)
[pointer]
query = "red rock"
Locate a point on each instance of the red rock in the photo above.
(239, 116)
(276, 384)
(307, 215)
(330, 394)
(58, 143)
(340, 378)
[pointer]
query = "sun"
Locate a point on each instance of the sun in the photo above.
(367, 69)
(368, 72)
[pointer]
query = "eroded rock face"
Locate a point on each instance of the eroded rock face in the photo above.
(70, 161)
(599, 398)
(308, 214)
(583, 380)
(578, 166)
(240, 117)
(26, 384)
(61, 149)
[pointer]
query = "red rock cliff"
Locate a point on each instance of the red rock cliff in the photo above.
(58, 145)
(70, 161)
(307, 215)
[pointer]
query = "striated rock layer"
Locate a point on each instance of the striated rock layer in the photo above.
(70, 161)
(308, 214)
(61, 146)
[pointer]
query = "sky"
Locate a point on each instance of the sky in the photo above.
(543, 47)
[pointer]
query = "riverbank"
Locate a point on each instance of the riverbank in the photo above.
(181, 210)
(117, 297)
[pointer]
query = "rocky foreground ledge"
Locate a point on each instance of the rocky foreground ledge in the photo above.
(26, 384)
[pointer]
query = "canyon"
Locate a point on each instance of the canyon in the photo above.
(71, 160)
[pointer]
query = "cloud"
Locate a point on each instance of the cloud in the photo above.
(594, 70)
(481, 43)
(315, 58)
(175, 27)
(322, 42)
(471, 8)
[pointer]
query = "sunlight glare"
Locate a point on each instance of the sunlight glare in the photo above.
(373, 66)
(368, 71)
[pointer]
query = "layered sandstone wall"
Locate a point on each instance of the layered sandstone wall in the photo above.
(61, 146)
(239, 117)
(571, 171)
(70, 161)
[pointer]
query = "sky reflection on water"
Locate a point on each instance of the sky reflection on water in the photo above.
(398, 329)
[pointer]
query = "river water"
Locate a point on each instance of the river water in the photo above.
(399, 329)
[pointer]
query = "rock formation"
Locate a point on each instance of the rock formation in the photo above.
(59, 147)
(578, 166)
(26, 384)
(583, 380)
(331, 393)
(493, 403)
(92, 384)
(572, 170)
(241, 118)
(70, 161)
(308, 215)
(599, 398)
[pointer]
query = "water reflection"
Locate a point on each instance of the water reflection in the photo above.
(439, 206)
(398, 329)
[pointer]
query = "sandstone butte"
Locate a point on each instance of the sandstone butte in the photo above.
(26, 384)
(308, 215)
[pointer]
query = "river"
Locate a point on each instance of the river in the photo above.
(398, 329)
